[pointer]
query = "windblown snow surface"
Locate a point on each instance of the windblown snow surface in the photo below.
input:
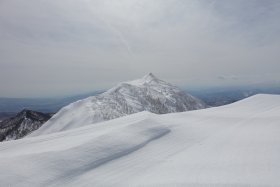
(233, 145)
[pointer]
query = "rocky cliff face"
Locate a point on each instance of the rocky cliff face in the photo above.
(22, 124)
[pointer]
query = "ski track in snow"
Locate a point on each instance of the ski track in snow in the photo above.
(233, 145)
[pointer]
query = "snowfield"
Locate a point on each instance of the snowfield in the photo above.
(233, 145)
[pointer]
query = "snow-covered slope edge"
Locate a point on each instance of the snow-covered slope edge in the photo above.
(233, 145)
(146, 94)
(91, 147)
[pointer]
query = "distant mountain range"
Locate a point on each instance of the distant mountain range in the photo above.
(214, 96)
(146, 94)
(218, 96)
(11, 106)
(40, 104)
(22, 124)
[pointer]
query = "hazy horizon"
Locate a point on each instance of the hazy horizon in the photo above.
(55, 48)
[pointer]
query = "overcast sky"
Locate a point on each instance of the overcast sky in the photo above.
(56, 47)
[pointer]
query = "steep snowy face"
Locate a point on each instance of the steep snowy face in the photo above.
(22, 124)
(146, 94)
(154, 95)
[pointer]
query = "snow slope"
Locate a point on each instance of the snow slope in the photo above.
(233, 145)
(146, 94)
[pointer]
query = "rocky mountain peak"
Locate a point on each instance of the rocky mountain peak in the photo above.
(145, 94)
(22, 124)
(150, 77)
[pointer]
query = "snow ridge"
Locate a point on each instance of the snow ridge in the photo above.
(146, 94)
(233, 145)
(99, 147)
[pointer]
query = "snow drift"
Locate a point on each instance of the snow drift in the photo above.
(233, 145)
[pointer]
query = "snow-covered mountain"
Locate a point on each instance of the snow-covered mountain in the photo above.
(22, 124)
(233, 145)
(146, 94)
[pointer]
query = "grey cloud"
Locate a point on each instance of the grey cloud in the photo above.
(229, 77)
(58, 47)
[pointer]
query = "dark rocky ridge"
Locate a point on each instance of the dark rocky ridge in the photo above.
(22, 124)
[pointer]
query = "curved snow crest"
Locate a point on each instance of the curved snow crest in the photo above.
(146, 94)
(234, 145)
(253, 104)
(81, 159)
(64, 140)
(110, 147)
